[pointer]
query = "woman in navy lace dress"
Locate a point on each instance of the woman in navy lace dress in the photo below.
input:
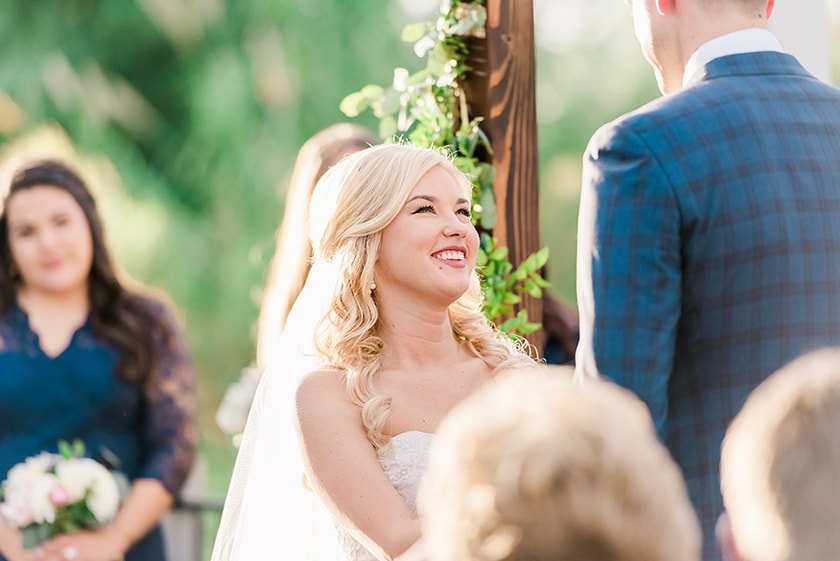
(83, 356)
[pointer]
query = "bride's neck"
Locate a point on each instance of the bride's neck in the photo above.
(418, 336)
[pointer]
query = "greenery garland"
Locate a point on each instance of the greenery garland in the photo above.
(429, 108)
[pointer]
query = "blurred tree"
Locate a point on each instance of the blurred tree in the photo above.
(201, 106)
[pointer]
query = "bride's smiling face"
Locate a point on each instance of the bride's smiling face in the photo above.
(430, 247)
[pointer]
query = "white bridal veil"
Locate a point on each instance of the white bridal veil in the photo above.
(269, 514)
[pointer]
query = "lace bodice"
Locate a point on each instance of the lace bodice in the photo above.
(404, 460)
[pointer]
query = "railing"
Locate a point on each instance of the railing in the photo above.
(190, 529)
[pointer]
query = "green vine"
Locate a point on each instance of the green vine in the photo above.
(429, 108)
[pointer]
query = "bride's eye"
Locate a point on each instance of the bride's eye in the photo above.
(427, 208)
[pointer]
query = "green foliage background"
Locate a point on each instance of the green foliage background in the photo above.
(188, 115)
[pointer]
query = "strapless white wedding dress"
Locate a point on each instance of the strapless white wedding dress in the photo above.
(269, 515)
(404, 460)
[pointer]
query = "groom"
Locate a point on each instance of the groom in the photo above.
(709, 228)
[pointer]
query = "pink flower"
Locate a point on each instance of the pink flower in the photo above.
(59, 495)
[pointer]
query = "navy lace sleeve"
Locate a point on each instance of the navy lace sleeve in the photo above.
(171, 431)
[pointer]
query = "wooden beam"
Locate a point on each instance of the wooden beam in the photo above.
(502, 89)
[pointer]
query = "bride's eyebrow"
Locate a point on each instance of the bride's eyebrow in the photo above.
(429, 198)
(433, 199)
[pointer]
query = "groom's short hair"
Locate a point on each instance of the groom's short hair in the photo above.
(537, 467)
(780, 464)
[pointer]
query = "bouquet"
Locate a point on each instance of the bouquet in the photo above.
(52, 494)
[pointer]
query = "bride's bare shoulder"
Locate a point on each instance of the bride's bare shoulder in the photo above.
(321, 400)
(320, 384)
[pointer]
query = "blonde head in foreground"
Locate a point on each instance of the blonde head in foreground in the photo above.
(780, 466)
(534, 467)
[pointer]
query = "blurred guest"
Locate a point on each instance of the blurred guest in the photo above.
(780, 466)
(293, 251)
(533, 467)
(85, 356)
(290, 266)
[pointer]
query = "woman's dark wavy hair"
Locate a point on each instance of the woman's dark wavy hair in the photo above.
(132, 322)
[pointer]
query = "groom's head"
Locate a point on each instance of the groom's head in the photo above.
(669, 31)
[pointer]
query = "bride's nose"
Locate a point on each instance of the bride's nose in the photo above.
(456, 227)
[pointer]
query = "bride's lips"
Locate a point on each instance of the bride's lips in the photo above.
(454, 256)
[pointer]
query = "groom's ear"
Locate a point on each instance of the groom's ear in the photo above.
(770, 5)
(664, 6)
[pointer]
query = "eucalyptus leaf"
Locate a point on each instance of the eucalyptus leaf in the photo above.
(532, 289)
(35, 534)
(488, 204)
(499, 254)
(487, 174)
(485, 141)
(353, 104)
(389, 103)
(372, 92)
(528, 327)
(413, 32)
(387, 127)
(419, 77)
(541, 281)
(511, 298)
(510, 326)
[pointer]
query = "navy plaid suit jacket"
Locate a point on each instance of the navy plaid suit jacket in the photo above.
(709, 249)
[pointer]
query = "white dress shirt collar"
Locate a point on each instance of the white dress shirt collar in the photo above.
(742, 41)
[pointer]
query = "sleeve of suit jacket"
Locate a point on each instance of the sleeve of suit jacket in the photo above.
(628, 267)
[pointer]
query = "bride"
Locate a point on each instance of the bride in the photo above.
(389, 333)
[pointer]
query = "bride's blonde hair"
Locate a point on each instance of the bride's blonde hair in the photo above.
(354, 201)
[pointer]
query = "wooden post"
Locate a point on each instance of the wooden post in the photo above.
(502, 89)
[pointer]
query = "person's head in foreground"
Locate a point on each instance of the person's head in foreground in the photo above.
(535, 467)
(780, 466)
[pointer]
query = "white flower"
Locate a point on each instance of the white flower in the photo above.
(104, 498)
(84, 477)
(24, 472)
(27, 490)
(43, 510)
(76, 476)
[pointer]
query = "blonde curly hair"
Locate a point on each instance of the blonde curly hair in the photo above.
(354, 201)
(535, 467)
